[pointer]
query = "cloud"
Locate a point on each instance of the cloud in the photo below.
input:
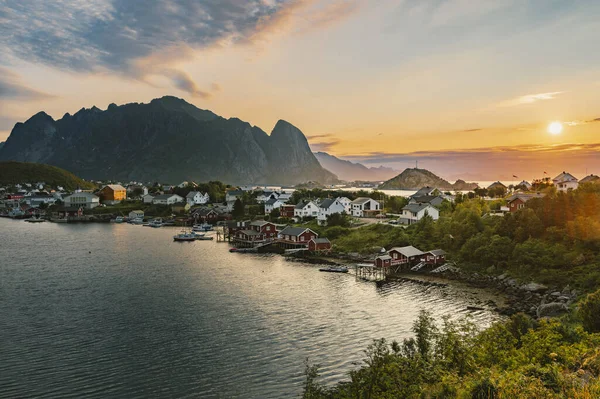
(472, 130)
(323, 142)
(530, 99)
(493, 163)
(11, 88)
(100, 35)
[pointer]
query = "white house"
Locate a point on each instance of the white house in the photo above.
(524, 184)
(148, 198)
(365, 207)
(347, 204)
(412, 213)
(273, 203)
(266, 195)
(329, 207)
(565, 181)
(197, 198)
(306, 209)
(284, 197)
(82, 200)
(167, 199)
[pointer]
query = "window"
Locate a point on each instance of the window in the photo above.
(301, 238)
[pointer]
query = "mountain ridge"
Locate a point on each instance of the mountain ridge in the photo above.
(353, 171)
(12, 172)
(414, 179)
(168, 140)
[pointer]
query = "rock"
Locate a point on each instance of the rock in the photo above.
(563, 298)
(502, 277)
(555, 294)
(534, 287)
(552, 309)
(566, 290)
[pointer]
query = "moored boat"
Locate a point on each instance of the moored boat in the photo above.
(156, 223)
(137, 221)
(35, 219)
(184, 236)
(334, 269)
(118, 219)
(204, 238)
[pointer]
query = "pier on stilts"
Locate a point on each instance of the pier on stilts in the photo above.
(368, 271)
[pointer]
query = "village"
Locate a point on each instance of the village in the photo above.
(268, 219)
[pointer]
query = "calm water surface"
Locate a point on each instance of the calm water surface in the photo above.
(122, 311)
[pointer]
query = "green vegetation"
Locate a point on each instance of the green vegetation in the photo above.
(517, 359)
(12, 172)
(555, 240)
(215, 189)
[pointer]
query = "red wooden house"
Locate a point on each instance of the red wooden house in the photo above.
(435, 257)
(405, 255)
(319, 244)
(267, 229)
(383, 261)
(294, 237)
(287, 211)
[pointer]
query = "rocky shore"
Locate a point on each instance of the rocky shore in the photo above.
(536, 300)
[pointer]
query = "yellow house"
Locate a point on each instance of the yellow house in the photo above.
(112, 193)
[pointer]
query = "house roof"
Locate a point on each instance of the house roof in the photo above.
(326, 203)
(165, 196)
(429, 199)
(83, 194)
(250, 232)
(272, 201)
(114, 187)
(384, 257)
(321, 240)
(423, 191)
(564, 177)
(437, 252)
(293, 231)
(496, 184)
(416, 208)
(302, 204)
(523, 197)
(192, 194)
(137, 211)
(407, 251)
(361, 200)
(259, 223)
(590, 179)
(203, 211)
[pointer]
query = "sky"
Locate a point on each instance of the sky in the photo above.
(466, 87)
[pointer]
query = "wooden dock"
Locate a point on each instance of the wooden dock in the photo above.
(368, 271)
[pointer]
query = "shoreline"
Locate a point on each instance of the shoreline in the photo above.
(533, 299)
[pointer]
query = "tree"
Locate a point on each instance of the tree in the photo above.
(238, 209)
(338, 219)
(137, 192)
(589, 311)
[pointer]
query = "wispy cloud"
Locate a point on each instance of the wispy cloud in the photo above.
(114, 35)
(530, 99)
(11, 88)
(323, 142)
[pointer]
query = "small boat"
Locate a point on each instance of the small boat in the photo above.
(35, 220)
(137, 221)
(204, 238)
(334, 269)
(118, 219)
(63, 220)
(185, 236)
(206, 227)
(169, 222)
(155, 223)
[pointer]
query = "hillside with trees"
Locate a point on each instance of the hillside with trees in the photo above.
(12, 172)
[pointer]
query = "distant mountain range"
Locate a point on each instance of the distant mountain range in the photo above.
(167, 140)
(414, 179)
(350, 171)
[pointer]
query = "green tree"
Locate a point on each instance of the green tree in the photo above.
(238, 209)
(589, 311)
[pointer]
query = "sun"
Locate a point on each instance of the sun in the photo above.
(555, 128)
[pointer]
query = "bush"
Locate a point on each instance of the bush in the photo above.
(589, 311)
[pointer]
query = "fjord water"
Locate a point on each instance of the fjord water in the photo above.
(122, 311)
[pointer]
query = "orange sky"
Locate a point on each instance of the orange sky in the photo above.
(392, 77)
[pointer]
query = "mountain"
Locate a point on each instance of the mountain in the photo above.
(12, 172)
(167, 140)
(414, 179)
(1, 145)
(349, 171)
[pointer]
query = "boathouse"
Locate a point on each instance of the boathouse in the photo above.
(287, 211)
(383, 261)
(267, 229)
(319, 244)
(434, 257)
(405, 255)
(294, 237)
